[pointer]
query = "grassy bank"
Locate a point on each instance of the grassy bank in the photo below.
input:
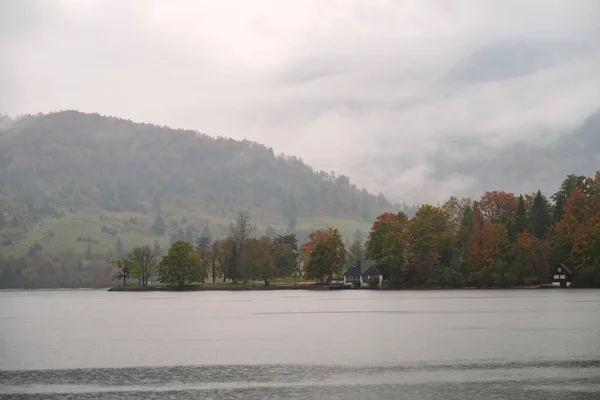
(216, 287)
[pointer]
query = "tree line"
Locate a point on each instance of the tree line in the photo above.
(239, 257)
(499, 240)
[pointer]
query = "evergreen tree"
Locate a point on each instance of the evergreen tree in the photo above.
(520, 218)
(359, 236)
(540, 218)
(159, 227)
(178, 236)
(157, 249)
(120, 249)
(206, 233)
(570, 183)
(467, 220)
(190, 234)
(233, 272)
(290, 210)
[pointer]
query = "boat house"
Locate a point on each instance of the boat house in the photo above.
(561, 276)
(364, 274)
(373, 276)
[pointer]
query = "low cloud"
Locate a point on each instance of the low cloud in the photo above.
(363, 89)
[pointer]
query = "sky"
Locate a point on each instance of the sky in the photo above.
(382, 90)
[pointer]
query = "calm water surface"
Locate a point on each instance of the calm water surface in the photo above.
(529, 344)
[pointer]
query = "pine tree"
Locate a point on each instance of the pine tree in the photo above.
(520, 218)
(540, 218)
(159, 227)
(206, 233)
(120, 249)
(157, 249)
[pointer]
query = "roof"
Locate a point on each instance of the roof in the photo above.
(373, 270)
(361, 265)
(353, 271)
(563, 266)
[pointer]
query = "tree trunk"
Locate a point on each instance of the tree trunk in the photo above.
(124, 280)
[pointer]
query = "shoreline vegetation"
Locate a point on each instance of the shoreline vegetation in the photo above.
(499, 241)
(292, 286)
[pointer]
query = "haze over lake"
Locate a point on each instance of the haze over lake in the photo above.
(291, 344)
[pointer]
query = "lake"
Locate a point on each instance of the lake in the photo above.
(351, 344)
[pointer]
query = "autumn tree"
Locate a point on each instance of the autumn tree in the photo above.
(203, 250)
(241, 230)
(123, 270)
(213, 260)
(529, 258)
(263, 261)
(180, 265)
(426, 234)
(487, 245)
(560, 198)
(285, 250)
(144, 263)
(388, 242)
(224, 252)
(325, 254)
(497, 206)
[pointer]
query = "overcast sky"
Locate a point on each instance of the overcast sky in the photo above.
(377, 90)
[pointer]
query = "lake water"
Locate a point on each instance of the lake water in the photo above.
(463, 344)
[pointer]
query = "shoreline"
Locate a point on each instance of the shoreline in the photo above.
(204, 288)
(251, 287)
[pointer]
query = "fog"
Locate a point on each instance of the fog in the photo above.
(386, 92)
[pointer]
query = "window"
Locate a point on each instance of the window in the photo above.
(562, 277)
(556, 277)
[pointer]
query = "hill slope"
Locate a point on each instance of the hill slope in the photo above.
(70, 175)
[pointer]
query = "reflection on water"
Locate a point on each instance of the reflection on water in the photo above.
(280, 345)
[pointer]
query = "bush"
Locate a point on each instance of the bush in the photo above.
(503, 274)
(447, 277)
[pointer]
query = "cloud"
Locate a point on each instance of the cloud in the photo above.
(357, 87)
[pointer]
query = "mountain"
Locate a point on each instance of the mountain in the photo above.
(521, 167)
(512, 59)
(69, 179)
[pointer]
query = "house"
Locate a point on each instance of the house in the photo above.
(561, 276)
(372, 277)
(354, 276)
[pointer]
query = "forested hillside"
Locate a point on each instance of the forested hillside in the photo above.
(73, 184)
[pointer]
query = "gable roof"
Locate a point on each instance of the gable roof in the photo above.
(353, 271)
(361, 265)
(563, 266)
(373, 270)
